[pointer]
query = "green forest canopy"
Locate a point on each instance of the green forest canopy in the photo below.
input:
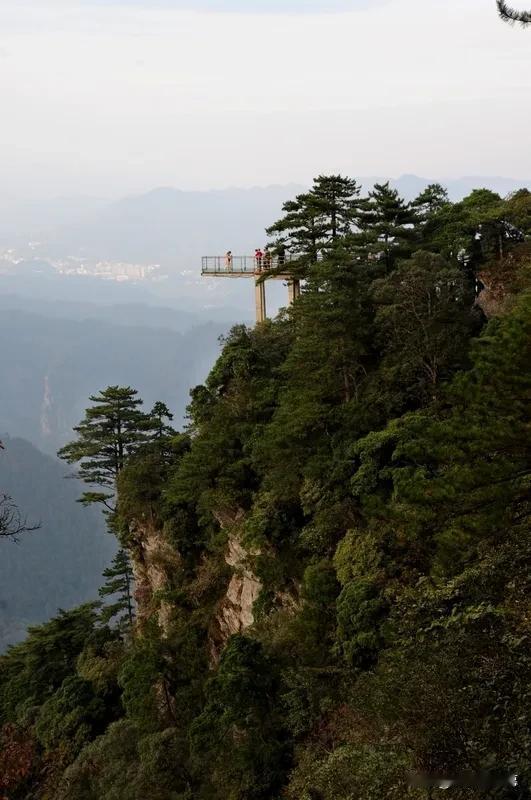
(371, 447)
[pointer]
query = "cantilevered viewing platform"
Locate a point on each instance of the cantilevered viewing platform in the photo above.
(267, 267)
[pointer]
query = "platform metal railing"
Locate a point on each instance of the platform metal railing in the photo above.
(244, 265)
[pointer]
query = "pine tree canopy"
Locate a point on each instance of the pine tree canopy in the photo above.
(513, 15)
(431, 200)
(314, 221)
(113, 428)
(387, 224)
(159, 419)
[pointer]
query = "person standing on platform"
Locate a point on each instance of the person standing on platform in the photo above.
(228, 261)
(258, 257)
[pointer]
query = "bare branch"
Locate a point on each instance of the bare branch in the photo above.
(12, 524)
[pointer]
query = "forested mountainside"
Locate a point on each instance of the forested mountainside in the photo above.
(58, 566)
(332, 562)
(53, 365)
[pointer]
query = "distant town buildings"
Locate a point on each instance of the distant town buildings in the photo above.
(12, 261)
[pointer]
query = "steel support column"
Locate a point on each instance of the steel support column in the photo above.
(260, 297)
(294, 290)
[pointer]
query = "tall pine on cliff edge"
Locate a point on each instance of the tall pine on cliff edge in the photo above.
(112, 429)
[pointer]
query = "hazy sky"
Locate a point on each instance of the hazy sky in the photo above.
(106, 98)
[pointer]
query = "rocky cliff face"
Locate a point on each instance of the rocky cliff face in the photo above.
(155, 562)
(235, 611)
(502, 281)
(492, 297)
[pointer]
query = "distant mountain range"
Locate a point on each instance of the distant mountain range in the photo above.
(175, 228)
(410, 186)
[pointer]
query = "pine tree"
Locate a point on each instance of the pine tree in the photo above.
(113, 428)
(432, 199)
(336, 198)
(315, 221)
(494, 236)
(511, 15)
(159, 417)
(518, 211)
(323, 372)
(423, 327)
(37, 667)
(472, 480)
(118, 586)
(457, 474)
(300, 230)
(386, 225)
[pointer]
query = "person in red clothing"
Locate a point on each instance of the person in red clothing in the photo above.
(258, 256)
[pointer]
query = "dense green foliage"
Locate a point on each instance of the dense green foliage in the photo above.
(367, 454)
